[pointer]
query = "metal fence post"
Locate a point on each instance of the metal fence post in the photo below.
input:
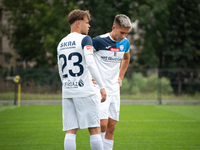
(15, 100)
(159, 87)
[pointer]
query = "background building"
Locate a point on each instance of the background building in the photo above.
(8, 56)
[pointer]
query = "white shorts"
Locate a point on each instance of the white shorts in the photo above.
(80, 113)
(111, 107)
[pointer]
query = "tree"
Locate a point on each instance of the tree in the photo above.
(183, 35)
(153, 21)
(103, 13)
(171, 34)
(183, 39)
(35, 27)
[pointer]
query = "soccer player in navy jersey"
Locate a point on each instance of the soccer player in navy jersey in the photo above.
(80, 103)
(112, 59)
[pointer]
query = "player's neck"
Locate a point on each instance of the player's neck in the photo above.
(112, 36)
(76, 30)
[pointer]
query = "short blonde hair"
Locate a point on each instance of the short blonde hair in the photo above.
(122, 20)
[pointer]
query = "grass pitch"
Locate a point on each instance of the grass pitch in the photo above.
(141, 127)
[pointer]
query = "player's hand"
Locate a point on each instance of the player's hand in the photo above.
(120, 82)
(94, 81)
(103, 95)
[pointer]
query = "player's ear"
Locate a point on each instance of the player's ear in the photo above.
(113, 27)
(78, 24)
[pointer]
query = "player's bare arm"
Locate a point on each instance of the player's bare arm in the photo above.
(102, 91)
(123, 67)
(103, 95)
(93, 80)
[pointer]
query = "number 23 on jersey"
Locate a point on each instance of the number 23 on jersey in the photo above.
(77, 63)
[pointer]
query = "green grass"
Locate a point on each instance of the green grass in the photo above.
(141, 127)
(30, 96)
(138, 96)
(153, 96)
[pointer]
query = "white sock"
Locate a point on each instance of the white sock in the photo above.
(96, 142)
(70, 142)
(103, 136)
(108, 144)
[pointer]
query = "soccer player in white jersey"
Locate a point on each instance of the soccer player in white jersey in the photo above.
(80, 104)
(112, 58)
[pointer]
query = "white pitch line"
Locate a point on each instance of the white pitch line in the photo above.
(29, 122)
(160, 120)
(5, 108)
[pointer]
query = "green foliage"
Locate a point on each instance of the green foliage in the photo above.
(171, 33)
(140, 84)
(183, 35)
(183, 48)
(171, 39)
(101, 18)
(104, 13)
(153, 20)
(36, 27)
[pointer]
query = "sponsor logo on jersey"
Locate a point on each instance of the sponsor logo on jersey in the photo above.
(114, 49)
(81, 83)
(67, 45)
(121, 47)
(111, 59)
(107, 47)
(104, 58)
(72, 85)
(89, 48)
(114, 59)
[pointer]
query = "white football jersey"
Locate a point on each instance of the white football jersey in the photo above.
(108, 55)
(75, 76)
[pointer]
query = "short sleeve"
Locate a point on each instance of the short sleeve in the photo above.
(86, 41)
(127, 46)
(96, 43)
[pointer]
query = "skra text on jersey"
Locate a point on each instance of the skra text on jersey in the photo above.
(68, 44)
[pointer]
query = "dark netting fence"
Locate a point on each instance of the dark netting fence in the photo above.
(144, 81)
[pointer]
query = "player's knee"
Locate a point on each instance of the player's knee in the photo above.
(104, 124)
(103, 127)
(110, 131)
